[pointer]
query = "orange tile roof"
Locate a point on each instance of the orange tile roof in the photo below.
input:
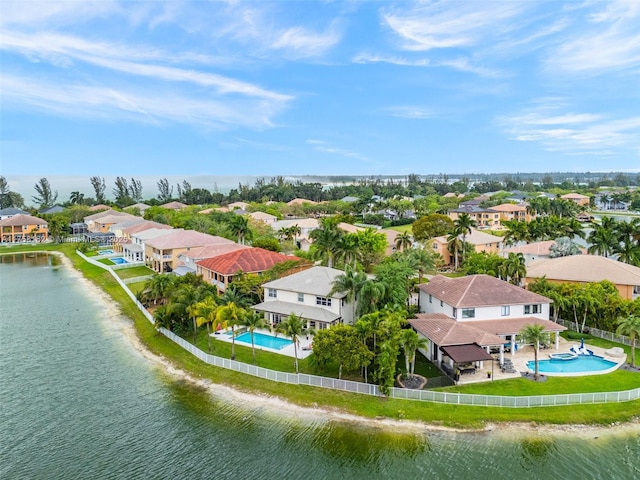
(250, 260)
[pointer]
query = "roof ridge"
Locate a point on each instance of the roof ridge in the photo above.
(473, 279)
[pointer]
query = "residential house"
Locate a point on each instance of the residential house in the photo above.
(99, 207)
(576, 198)
(533, 251)
(509, 211)
(481, 241)
(141, 207)
(307, 225)
(300, 201)
(24, 228)
(161, 253)
(10, 212)
(484, 217)
(220, 270)
(134, 249)
(100, 222)
(263, 217)
(237, 205)
(187, 260)
(472, 315)
(586, 269)
(124, 237)
(52, 210)
(174, 205)
(308, 295)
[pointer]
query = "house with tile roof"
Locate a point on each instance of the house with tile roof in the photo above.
(308, 295)
(187, 260)
(24, 228)
(99, 207)
(10, 212)
(509, 211)
(533, 251)
(123, 241)
(263, 217)
(101, 221)
(134, 247)
(161, 253)
(481, 241)
(237, 205)
(220, 270)
(576, 198)
(301, 201)
(174, 205)
(587, 269)
(485, 218)
(478, 311)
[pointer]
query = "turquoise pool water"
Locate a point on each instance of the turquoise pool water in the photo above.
(118, 260)
(582, 364)
(262, 340)
(105, 252)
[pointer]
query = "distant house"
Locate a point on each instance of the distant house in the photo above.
(263, 217)
(301, 201)
(481, 241)
(174, 205)
(52, 210)
(24, 228)
(349, 199)
(187, 261)
(532, 251)
(100, 222)
(99, 207)
(238, 205)
(484, 217)
(162, 252)
(308, 295)
(468, 316)
(220, 270)
(586, 269)
(307, 225)
(134, 248)
(576, 198)
(141, 207)
(509, 211)
(10, 212)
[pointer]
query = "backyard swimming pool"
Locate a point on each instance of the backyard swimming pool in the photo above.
(262, 340)
(580, 364)
(118, 260)
(105, 252)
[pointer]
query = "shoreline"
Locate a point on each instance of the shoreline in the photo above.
(277, 406)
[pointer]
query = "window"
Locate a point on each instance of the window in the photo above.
(529, 309)
(455, 312)
(468, 313)
(301, 297)
(272, 293)
(430, 299)
(505, 311)
(323, 301)
(441, 303)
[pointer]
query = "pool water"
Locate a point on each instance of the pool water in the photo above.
(118, 260)
(105, 252)
(582, 364)
(262, 340)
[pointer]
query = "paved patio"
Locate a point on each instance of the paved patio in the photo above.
(526, 354)
(304, 343)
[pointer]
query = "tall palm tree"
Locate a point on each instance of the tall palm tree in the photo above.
(371, 294)
(517, 231)
(253, 320)
(514, 268)
(232, 295)
(422, 260)
(534, 333)
(160, 286)
(630, 326)
(602, 239)
(351, 282)
(239, 226)
(410, 342)
(205, 312)
(365, 330)
(293, 327)
(454, 246)
(403, 241)
(230, 315)
(325, 241)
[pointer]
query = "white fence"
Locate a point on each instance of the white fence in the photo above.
(373, 390)
(597, 333)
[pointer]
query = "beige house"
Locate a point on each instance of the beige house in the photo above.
(161, 253)
(102, 221)
(587, 269)
(263, 217)
(577, 198)
(509, 211)
(485, 218)
(24, 228)
(481, 241)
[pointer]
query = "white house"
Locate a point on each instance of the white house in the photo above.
(479, 312)
(307, 294)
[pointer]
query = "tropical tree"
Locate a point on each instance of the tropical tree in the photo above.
(160, 286)
(372, 293)
(517, 231)
(293, 327)
(410, 342)
(386, 368)
(165, 190)
(205, 313)
(162, 317)
(534, 334)
(98, 187)
(325, 240)
(630, 326)
(76, 198)
(514, 268)
(230, 316)
(342, 345)
(422, 260)
(239, 226)
(431, 226)
(564, 247)
(253, 320)
(403, 241)
(58, 227)
(45, 197)
(351, 282)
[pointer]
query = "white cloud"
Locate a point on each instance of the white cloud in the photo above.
(301, 42)
(324, 147)
(414, 112)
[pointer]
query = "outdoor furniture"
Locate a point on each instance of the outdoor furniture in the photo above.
(468, 371)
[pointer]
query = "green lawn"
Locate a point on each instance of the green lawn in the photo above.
(136, 287)
(402, 228)
(362, 405)
(132, 272)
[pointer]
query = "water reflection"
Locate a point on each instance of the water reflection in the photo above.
(536, 450)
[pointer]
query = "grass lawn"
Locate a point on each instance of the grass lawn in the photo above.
(362, 405)
(602, 343)
(136, 287)
(132, 272)
(402, 228)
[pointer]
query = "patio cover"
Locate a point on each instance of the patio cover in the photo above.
(466, 353)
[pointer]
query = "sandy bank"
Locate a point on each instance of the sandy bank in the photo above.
(277, 406)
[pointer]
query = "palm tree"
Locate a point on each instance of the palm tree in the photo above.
(205, 312)
(239, 226)
(351, 282)
(232, 295)
(517, 231)
(403, 241)
(534, 334)
(411, 342)
(253, 320)
(454, 246)
(230, 315)
(630, 326)
(325, 241)
(159, 287)
(293, 327)
(371, 294)
(514, 268)
(162, 317)
(422, 260)
(365, 330)
(603, 240)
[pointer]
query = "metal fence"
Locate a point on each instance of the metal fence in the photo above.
(373, 390)
(597, 333)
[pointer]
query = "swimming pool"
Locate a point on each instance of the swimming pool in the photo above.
(581, 364)
(262, 340)
(105, 252)
(118, 260)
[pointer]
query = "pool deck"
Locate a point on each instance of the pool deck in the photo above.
(526, 354)
(304, 344)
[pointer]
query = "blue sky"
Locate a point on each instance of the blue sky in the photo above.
(318, 87)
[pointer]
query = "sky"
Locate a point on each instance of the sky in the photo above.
(265, 88)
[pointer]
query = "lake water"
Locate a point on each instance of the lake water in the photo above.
(79, 402)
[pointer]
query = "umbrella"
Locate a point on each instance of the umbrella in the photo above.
(582, 343)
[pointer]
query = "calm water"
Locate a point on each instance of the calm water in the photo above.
(78, 402)
(584, 363)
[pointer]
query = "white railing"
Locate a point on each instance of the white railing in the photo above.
(597, 333)
(373, 390)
